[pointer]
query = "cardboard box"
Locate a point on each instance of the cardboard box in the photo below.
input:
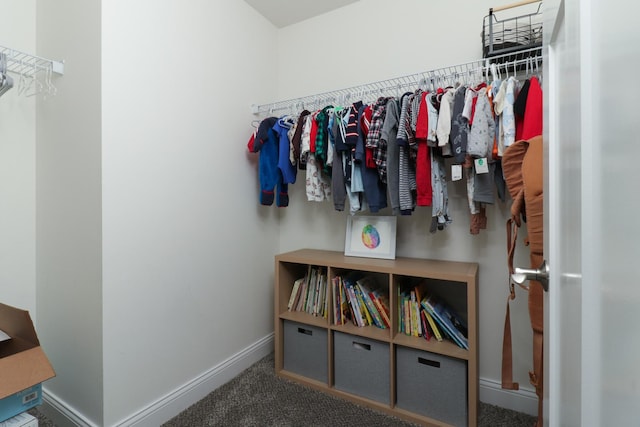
(20, 420)
(23, 364)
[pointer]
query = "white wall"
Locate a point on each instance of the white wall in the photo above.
(188, 253)
(69, 275)
(17, 169)
(375, 40)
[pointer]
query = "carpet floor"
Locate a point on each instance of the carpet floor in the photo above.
(258, 398)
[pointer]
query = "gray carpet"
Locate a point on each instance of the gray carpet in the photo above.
(257, 398)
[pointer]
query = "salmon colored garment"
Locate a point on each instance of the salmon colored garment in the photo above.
(523, 172)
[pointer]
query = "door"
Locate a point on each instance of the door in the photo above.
(592, 202)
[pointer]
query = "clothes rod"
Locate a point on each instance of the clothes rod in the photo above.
(509, 62)
(28, 65)
(513, 5)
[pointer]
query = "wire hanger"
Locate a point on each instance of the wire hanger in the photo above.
(7, 80)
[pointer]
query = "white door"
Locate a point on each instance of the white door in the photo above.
(592, 213)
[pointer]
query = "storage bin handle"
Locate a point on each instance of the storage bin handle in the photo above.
(362, 346)
(305, 331)
(428, 362)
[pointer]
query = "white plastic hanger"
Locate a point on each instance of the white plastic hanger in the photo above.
(7, 80)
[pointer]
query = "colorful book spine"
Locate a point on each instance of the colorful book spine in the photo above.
(438, 312)
(434, 327)
(335, 295)
(345, 311)
(302, 295)
(407, 315)
(426, 334)
(355, 307)
(294, 292)
(381, 309)
(371, 308)
(413, 315)
(363, 307)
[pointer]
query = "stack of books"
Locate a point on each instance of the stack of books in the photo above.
(360, 301)
(309, 293)
(423, 314)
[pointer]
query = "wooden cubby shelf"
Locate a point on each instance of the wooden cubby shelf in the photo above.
(427, 382)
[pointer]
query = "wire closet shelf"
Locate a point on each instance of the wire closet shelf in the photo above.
(35, 72)
(527, 61)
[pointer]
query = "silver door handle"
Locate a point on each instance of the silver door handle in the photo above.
(540, 275)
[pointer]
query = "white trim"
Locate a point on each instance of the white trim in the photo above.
(523, 400)
(60, 412)
(198, 388)
(179, 399)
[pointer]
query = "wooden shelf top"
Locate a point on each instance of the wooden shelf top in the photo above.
(435, 269)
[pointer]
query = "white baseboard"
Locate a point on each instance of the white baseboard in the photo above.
(524, 400)
(173, 403)
(62, 414)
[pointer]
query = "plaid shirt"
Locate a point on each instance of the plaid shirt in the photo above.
(374, 141)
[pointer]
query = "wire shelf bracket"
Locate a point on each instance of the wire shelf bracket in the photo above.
(37, 70)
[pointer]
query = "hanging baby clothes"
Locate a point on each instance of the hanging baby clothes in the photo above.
(266, 143)
(296, 140)
(389, 135)
(508, 116)
(318, 186)
(532, 123)
(322, 140)
(281, 129)
(424, 191)
(407, 177)
(336, 140)
(440, 208)
(443, 128)
(353, 177)
(375, 193)
(482, 132)
(440, 196)
(374, 141)
(498, 108)
(519, 106)
(459, 126)
(479, 146)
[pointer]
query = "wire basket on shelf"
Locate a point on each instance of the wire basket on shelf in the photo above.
(509, 36)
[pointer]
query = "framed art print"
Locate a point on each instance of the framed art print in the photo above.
(371, 236)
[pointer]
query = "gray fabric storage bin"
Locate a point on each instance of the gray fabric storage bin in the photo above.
(305, 350)
(431, 384)
(361, 366)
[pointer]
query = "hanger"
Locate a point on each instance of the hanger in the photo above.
(7, 80)
(494, 72)
(22, 82)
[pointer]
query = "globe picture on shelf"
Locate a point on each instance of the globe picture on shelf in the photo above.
(370, 236)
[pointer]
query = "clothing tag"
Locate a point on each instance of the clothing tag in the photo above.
(482, 166)
(456, 172)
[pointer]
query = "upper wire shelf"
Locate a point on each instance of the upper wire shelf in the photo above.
(527, 61)
(34, 71)
(510, 34)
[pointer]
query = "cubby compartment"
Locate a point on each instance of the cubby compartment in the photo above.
(305, 350)
(432, 385)
(361, 366)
